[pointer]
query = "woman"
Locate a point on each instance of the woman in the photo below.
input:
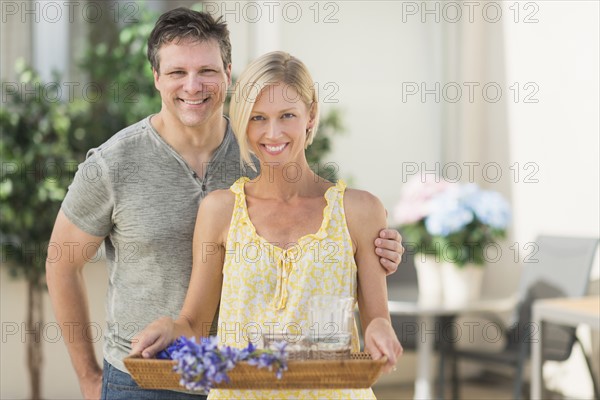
(267, 245)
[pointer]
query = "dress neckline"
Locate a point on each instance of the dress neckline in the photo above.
(329, 195)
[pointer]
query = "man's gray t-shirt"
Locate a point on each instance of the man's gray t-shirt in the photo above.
(140, 193)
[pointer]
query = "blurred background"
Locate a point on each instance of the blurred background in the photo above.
(502, 94)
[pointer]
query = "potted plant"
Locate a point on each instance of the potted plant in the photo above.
(38, 164)
(452, 229)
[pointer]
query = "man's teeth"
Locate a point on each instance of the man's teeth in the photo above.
(275, 149)
(194, 102)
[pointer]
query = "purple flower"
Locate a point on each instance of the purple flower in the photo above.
(166, 353)
(202, 365)
(244, 354)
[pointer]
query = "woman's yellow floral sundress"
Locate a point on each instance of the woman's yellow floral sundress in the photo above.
(267, 288)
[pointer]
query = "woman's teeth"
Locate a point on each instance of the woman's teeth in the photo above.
(274, 149)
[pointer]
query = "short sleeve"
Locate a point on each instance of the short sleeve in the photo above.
(90, 199)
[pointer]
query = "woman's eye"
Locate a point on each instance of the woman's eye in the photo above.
(257, 118)
(288, 115)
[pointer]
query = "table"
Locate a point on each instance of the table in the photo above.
(403, 301)
(562, 311)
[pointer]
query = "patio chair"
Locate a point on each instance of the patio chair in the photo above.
(558, 267)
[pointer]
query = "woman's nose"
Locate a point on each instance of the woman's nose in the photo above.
(272, 130)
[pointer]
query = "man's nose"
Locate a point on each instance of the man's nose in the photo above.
(193, 84)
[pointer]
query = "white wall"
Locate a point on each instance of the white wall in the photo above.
(559, 135)
(15, 39)
(360, 53)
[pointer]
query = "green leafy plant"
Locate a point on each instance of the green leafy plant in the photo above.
(38, 163)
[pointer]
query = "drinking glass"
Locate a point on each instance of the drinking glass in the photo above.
(298, 347)
(331, 321)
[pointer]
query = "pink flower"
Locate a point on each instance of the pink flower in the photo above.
(415, 198)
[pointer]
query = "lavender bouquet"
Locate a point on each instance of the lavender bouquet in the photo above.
(203, 364)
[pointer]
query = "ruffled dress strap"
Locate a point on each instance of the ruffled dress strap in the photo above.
(239, 211)
(335, 204)
(238, 186)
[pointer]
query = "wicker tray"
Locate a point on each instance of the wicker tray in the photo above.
(360, 371)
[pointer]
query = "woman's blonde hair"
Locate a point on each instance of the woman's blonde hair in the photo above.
(270, 69)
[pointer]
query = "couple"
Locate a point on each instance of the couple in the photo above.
(179, 154)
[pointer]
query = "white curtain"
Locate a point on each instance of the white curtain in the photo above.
(474, 95)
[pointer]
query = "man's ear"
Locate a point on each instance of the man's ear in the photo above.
(156, 76)
(228, 73)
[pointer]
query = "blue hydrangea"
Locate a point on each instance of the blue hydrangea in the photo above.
(448, 214)
(454, 209)
(490, 208)
(202, 365)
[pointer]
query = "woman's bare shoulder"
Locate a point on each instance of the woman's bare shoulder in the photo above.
(217, 207)
(361, 201)
(363, 210)
(219, 199)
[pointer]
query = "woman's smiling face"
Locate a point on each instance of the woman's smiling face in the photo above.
(278, 125)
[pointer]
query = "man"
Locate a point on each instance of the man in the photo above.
(139, 194)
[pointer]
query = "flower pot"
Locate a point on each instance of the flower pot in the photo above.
(428, 280)
(461, 285)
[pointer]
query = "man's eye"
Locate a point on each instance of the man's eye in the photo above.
(175, 73)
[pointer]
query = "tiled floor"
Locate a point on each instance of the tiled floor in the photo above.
(489, 386)
(469, 390)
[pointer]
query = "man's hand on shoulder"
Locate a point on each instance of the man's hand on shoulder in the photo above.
(389, 249)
